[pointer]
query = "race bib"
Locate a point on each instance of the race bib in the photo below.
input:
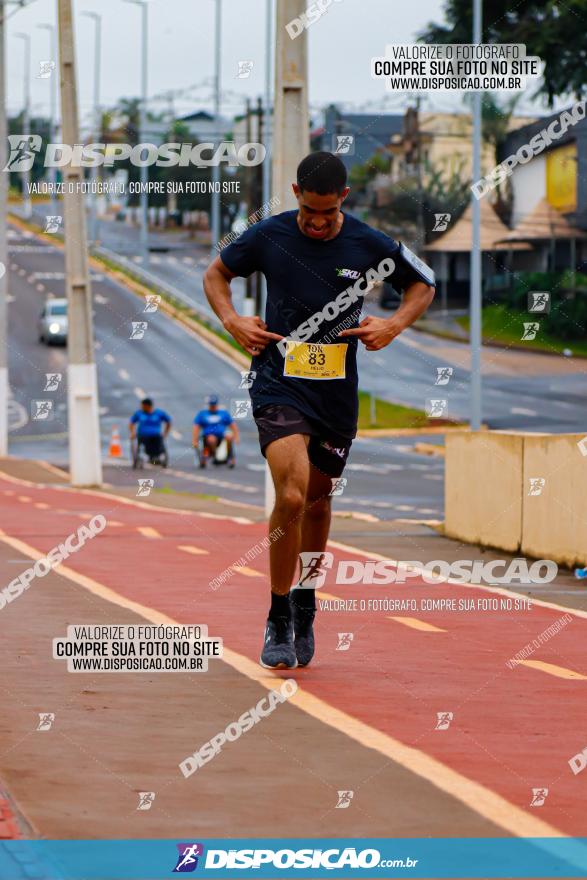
(309, 360)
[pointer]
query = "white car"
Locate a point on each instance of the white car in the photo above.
(53, 322)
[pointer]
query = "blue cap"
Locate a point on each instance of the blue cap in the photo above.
(212, 400)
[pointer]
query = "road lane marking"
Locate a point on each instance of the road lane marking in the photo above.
(148, 532)
(177, 435)
(123, 374)
(522, 411)
(140, 393)
(195, 551)
(475, 796)
(41, 505)
(553, 669)
(248, 572)
(24, 498)
(109, 358)
(414, 623)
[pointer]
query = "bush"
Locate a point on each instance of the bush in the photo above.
(568, 309)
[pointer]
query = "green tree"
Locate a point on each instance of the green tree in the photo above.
(553, 31)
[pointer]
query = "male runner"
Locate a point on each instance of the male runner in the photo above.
(305, 403)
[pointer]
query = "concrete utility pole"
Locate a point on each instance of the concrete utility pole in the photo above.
(82, 384)
(27, 207)
(215, 198)
(291, 136)
(291, 133)
(53, 107)
(475, 322)
(97, 126)
(144, 198)
(4, 179)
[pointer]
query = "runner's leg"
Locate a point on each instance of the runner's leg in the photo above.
(290, 469)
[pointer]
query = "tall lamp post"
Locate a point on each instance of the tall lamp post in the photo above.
(53, 107)
(97, 126)
(27, 207)
(144, 210)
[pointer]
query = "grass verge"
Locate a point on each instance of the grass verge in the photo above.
(504, 324)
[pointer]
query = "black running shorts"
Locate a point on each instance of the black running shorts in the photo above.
(327, 451)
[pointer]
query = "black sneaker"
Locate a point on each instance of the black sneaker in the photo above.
(303, 625)
(278, 645)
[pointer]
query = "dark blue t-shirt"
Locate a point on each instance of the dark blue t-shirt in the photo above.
(149, 424)
(304, 275)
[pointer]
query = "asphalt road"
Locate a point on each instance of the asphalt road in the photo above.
(385, 476)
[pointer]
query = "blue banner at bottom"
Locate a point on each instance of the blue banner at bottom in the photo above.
(279, 857)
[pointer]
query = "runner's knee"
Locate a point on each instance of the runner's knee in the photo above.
(290, 499)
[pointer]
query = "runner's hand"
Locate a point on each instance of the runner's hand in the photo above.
(376, 333)
(251, 333)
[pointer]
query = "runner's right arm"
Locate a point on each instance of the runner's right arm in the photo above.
(250, 333)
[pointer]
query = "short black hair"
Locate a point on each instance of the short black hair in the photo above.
(322, 173)
(147, 402)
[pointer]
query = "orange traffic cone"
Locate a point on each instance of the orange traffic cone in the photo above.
(115, 448)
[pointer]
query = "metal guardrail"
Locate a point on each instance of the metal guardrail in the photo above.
(152, 280)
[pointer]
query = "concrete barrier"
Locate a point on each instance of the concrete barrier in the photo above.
(518, 491)
(555, 521)
(483, 496)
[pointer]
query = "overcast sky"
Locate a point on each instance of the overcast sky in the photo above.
(181, 40)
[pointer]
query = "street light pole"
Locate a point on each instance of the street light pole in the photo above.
(215, 200)
(475, 323)
(27, 208)
(85, 464)
(144, 199)
(53, 108)
(97, 19)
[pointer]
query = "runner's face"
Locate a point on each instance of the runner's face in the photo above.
(318, 215)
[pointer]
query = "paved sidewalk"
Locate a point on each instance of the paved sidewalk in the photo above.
(363, 719)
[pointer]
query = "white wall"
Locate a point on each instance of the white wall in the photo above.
(529, 187)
